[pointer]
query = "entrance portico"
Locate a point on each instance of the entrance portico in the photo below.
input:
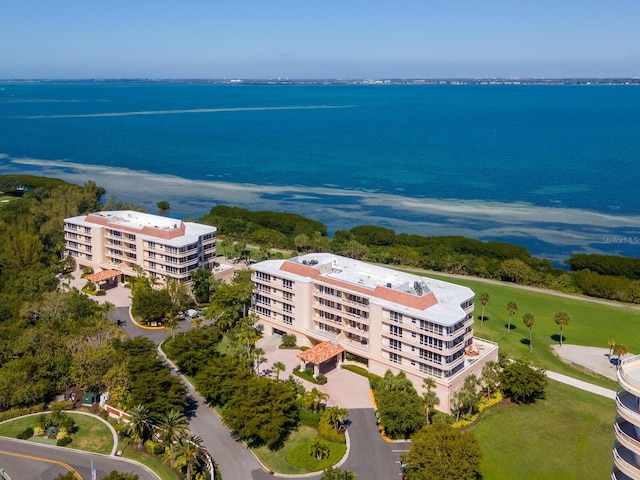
(321, 353)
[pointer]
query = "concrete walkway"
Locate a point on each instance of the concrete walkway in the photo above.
(588, 387)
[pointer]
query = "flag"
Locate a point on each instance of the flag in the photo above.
(94, 474)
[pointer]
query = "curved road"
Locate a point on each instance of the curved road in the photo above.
(22, 459)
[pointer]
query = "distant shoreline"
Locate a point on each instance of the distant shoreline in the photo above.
(622, 81)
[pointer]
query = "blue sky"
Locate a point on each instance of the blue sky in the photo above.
(328, 39)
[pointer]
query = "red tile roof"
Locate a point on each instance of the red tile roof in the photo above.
(321, 353)
(146, 230)
(103, 275)
(402, 298)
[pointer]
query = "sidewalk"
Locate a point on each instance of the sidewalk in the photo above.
(589, 387)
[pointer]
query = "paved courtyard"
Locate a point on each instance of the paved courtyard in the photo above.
(345, 389)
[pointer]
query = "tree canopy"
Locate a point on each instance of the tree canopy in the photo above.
(441, 452)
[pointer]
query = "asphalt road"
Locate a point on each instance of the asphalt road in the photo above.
(28, 460)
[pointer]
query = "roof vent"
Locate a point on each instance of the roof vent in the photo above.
(388, 284)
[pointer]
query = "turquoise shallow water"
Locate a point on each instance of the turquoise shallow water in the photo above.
(552, 167)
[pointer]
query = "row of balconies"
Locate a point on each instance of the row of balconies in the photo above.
(415, 355)
(626, 449)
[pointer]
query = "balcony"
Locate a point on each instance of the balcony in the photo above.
(626, 461)
(618, 475)
(629, 375)
(628, 407)
(627, 435)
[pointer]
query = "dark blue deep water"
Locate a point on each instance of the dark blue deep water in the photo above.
(554, 168)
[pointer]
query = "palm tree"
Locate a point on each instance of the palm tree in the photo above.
(315, 397)
(484, 299)
(173, 425)
(171, 324)
(430, 397)
(612, 343)
(490, 375)
(512, 308)
(337, 474)
(562, 319)
(319, 449)
(336, 416)
(189, 455)
(139, 423)
(529, 321)
(619, 350)
(278, 367)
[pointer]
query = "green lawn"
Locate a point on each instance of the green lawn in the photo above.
(160, 468)
(91, 435)
(275, 460)
(591, 324)
(569, 435)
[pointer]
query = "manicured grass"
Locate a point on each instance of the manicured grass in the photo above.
(160, 468)
(91, 434)
(569, 435)
(275, 460)
(14, 427)
(591, 324)
(300, 457)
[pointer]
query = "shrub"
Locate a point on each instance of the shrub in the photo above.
(18, 412)
(321, 379)
(305, 348)
(300, 457)
(154, 448)
(101, 293)
(25, 434)
(289, 341)
(63, 442)
(39, 431)
(327, 432)
(62, 433)
(309, 418)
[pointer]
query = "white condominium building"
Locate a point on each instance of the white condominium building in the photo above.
(391, 319)
(123, 241)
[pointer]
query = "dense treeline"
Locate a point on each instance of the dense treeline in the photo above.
(274, 228)
(53, 337)
(606, 265)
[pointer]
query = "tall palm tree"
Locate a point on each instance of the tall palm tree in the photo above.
(336, 416)
(512, 308)
(484, 299)
(431, 399)
(612, 343)
(139, 424)
(173, 425)
(619, 350)
(315, 397)
(189, 455)
(562, 319)
(529, 320)
(278, 367)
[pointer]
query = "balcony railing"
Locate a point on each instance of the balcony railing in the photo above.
(626, 435)
(625, 460)
(628, 406)
(629, 374)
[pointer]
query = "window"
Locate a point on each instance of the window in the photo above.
(287, 283)
(395, 330)
(395, 344)
(287, 319)
(287, 295)
(263, 276)
(395, 317)
(395, 358)
(287, 308)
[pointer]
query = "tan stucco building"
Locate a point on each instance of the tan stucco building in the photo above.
(392, 319)
(127, 240)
